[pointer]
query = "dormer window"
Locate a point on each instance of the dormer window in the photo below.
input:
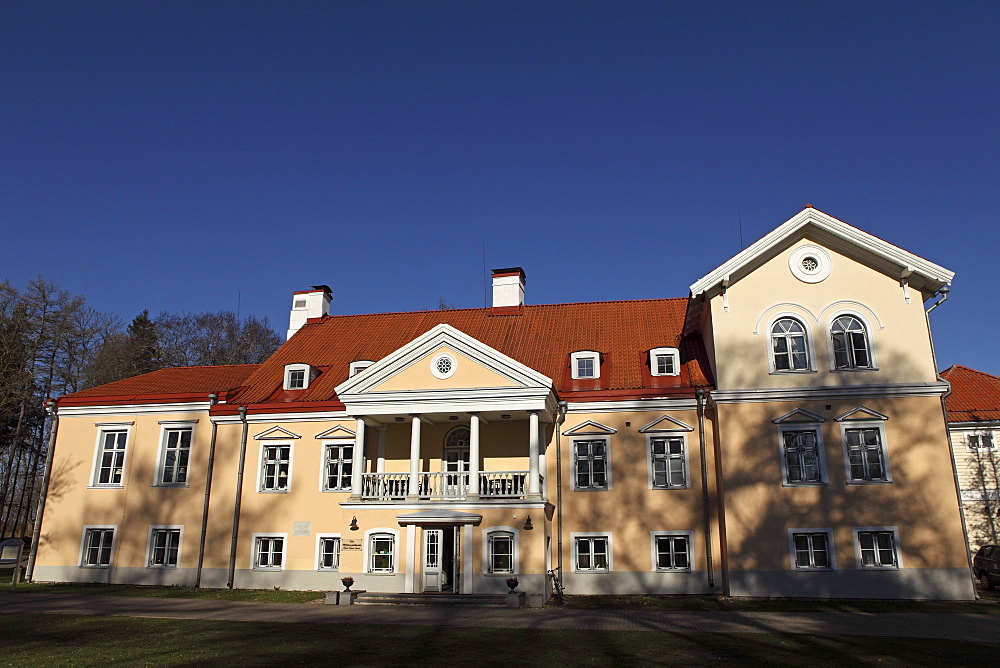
(664, 362)
(586, 364)
(359, 366)
(298, 376)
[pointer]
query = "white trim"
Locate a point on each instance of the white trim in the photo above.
(284, 551)
(666, 352)
(357, 366)
(333, 433)
(871, 415)
(149, 544)
(264, 418)
(575, 535)
(809, 418)
(275, 433)
(607, 462)
(452, 367)
(631, 405)
(678, 425)
(839, 234)
(102, 410)
(516, 564)
(324, 461)
(816, 428)
(166, 426)
(590, 428)
(829, 551)
(260, 467)
(869, 339)
(107, 428)
(576, 357)
(897, 549)
(308, 374)
(83, 544)
(878, 424)
(649, 460)
(366, 566)
(807, 335)
(828, 392)
(654, 553)
(318, 558)
(817, 274)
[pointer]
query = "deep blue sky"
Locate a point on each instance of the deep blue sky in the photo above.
(180, 155)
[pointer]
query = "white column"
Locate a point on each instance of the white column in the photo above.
(413, 561)
(359, 456)
(380, 462)
(414, 455)
(542, 466)
(467, 579)
(533, 453)
(473, 455)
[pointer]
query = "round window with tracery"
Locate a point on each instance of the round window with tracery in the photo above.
(810, 264)
(443, 365)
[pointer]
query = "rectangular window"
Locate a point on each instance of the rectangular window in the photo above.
(592, 554)
(111, 458)
(275, 468)
(164, 547)
(501, 546)
(673, 552)
(812, 550)
(176, 453)
(269, 552)
(590, 462)
(982, 441)
(97, 544)
(382, 553)
(800, 450)
(339, 465)
(866, 455)
(877, 548)
(667, 462)
(329, 553)
(585, 367)
(296, 379)
(665, 365)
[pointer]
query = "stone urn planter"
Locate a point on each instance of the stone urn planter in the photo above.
(347, 583)
(512, 584)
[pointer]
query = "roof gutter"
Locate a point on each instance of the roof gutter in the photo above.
(943, 291)
(53, 410)
(239, 499)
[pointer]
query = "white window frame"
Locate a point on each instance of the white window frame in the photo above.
(576, 536)
(979, 435)
(654, 553)
(656, 353)
(810, 346)
(487, 552)
(261, 478)
(307, 376)
(95, 471)
(650, 437)
(575, 358)
(323, 478)
(830, 553)
(153, 529)
(87, 529)
(165, 428)
(357, 366)
(872, 359)
(452, 368)
(847, 425)
(255, 550)
(320, 537)
(370, 535)
(820, 453)
(897, 550)
(607, 463)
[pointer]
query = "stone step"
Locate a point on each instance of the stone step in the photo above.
(432, 598)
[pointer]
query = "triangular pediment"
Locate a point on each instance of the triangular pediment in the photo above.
(590, 428)
(798, 415)
(275, 433)
(472, 365)
(861, 413)
(835, 235)
(665, 423)
(337, 432)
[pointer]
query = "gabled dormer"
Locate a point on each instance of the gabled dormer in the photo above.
(299, 376)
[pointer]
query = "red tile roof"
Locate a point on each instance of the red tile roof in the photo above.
(975, 395)
(180, 383)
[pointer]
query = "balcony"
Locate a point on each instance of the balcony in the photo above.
(444, 486)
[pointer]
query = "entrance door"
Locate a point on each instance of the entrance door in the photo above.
(456, 462)
(442, 557)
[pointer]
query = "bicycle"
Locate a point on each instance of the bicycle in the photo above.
(557, 588)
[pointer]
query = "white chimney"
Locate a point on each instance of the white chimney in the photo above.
(508, 290)
(307, 304)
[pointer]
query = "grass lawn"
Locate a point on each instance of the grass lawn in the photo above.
(40, 640)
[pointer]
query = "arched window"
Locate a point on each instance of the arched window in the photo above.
(456, 460)
(788, 345)
(850, 344)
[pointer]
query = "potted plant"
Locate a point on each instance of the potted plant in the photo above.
(348, 581)
(512, 583)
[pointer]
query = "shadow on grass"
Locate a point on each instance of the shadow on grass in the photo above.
(252, 595)
(39, 639)
(718, 604)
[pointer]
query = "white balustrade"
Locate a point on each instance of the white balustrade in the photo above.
(444, 485)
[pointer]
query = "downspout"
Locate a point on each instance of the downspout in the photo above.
(36, 532)
(700, 394)
(239, 499)
(212, 400)
(559, 487)
(951, 446)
